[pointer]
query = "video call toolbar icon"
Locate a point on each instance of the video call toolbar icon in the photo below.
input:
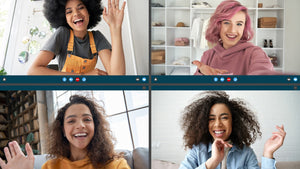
(295, 79)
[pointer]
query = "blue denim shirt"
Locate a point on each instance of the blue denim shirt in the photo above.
(236, 159)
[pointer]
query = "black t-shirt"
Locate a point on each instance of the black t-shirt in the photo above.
(58, 44)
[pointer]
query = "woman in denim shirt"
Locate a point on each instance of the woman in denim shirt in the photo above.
(219, 132)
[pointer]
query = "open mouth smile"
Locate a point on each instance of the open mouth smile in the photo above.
(231, 37)
(78, 22)
(80, 135)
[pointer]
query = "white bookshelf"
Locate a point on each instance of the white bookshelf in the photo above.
(174, 11)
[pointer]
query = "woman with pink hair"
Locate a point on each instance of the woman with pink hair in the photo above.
(230, 29)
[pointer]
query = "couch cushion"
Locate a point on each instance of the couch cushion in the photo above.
(160, 164)
(127, 155)
(140, 158)
(288, 165)
(39, 160)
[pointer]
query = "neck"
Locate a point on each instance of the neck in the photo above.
(77, 154)
(80, 34)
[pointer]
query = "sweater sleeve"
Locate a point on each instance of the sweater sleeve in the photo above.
(252, 162)
(191, 162)
(260, 64)
(267, 163)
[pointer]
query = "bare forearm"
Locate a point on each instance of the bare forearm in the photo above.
(268, 154)
(42, 70)
(211, 164)
(117, 61)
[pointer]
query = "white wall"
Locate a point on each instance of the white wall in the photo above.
(292, 36)
(134, 44)
(272, 107)
(139, 19)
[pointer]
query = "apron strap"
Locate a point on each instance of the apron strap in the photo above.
(71, 42)
(92, 44)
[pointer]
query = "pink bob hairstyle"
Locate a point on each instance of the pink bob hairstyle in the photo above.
(224, 11)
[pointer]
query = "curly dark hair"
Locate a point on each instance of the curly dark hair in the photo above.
(100, 149)
(54, 11)
(194, 122)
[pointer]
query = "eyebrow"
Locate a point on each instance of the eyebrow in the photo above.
(222, 114)
(77, 6)
(230, 20)
(76, 116)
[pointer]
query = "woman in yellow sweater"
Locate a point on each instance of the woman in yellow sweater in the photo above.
(80, 138)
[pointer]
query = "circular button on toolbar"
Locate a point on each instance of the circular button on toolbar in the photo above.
(295, 79)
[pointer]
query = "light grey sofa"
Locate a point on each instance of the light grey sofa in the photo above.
(136, 159)
(160, 164)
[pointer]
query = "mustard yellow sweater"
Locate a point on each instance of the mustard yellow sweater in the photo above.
(65, 163)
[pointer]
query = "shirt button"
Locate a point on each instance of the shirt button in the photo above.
(69, 55)
(83, 67)
(85, 61)
(72, 71)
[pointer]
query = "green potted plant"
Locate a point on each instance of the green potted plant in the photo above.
(2, 72)
(29, 139)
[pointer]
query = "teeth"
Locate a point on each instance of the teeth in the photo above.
(80, 134)
(219, 132)
(77, 20)
(231, 36)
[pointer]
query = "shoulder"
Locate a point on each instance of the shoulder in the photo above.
(52, 163)
(117, 163)
(61, 34)
(97, 33)
(100, 41)
(251, 47)
(200, 148)
(62, 30)
(209, 53)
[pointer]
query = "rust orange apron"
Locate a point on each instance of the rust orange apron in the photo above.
(76, 64)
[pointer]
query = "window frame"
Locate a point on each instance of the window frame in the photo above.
(126, 112)
(7, 32)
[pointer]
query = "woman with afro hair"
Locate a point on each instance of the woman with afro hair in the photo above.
(219, 132)
(76, 48)
(80, 138)
(230, 30)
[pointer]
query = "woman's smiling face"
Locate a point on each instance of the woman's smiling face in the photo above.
(78, 126)
(232, 29)
(77, 15)
(220, 121)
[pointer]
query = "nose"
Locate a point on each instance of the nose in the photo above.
(232, 28)
(80, 124)
(218, 123)
(75, 13)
